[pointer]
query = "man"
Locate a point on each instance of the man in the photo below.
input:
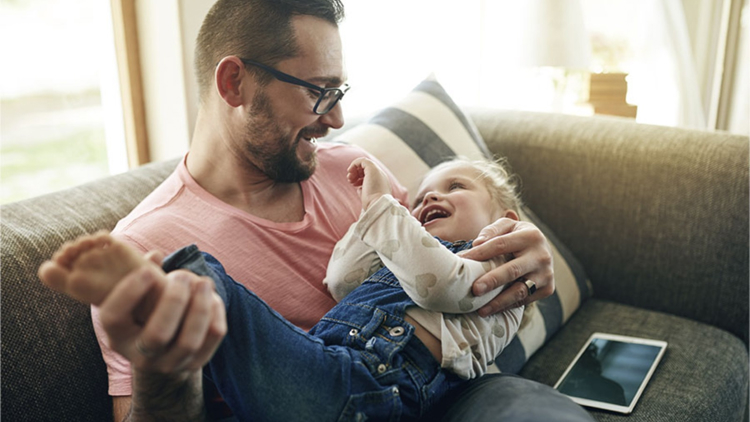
(257, 192)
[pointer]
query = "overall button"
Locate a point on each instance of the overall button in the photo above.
(397, 331)
(382, 368)
(353, 332)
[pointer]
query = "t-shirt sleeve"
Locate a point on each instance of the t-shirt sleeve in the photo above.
(118, 368)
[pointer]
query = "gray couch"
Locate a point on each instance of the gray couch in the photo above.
(658, 217)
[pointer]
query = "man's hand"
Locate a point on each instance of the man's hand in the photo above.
(370, 179)
(167, 353)
(181, 334)
(533, 261)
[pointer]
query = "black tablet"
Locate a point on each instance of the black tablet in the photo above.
(611, 371)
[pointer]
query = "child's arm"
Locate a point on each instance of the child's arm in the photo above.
(433, 276)
(351, 263)
(352, 260)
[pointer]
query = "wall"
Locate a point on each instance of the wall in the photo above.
(166, 38)
(192, 13)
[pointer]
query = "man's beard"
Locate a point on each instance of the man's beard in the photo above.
(278, 160)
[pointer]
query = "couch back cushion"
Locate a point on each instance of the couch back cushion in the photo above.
(659, 215)
(52, 366)
(418, 132)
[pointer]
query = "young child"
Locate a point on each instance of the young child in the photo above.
(402, 335)
(455, 201)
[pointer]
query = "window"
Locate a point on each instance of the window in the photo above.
(668, 48)
(61, 116)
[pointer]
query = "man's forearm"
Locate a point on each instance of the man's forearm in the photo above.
(160, 397)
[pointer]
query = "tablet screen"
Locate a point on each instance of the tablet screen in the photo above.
(610, 372)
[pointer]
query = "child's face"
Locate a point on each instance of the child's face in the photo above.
(453, 203)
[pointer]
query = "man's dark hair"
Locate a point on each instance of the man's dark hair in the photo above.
(259, 30)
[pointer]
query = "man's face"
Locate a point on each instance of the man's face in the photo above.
(281, 126)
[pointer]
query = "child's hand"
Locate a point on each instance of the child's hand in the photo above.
(370, 179)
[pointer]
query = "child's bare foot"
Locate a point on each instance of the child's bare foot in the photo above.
(88, 268)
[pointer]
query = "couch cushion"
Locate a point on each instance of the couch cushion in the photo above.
(425, 128)
(702, 377)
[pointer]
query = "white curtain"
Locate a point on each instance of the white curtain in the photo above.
(664, 83)
(473, 49)
(739, 111)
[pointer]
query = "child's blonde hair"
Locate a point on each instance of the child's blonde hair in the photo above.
(500, 183)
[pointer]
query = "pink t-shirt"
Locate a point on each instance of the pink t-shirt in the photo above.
(289, 277)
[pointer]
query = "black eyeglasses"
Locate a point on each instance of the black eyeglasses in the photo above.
(328, 96)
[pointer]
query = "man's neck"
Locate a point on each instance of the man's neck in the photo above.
(227, 176)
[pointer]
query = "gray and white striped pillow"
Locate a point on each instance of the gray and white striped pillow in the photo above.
(418, 132)
(425, 128)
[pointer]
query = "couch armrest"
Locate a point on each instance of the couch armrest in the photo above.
(52, 365)
(658, 216)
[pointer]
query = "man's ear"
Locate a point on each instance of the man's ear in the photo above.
(230, 75)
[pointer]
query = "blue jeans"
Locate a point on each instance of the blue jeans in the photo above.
(267, 369)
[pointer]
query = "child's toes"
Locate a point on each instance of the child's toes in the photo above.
(69, 252)
(53, 275)
(101, 239)
(63, 253)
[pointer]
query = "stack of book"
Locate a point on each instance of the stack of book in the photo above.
(607, 94)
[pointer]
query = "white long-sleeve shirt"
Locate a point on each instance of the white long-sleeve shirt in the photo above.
(438, 281)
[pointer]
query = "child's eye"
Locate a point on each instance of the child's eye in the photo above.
(455, 185)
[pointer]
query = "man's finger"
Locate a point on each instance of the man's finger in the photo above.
(217, 329)
(519, 294)
(509, 243)
(115, 312)
(163, 324)
(504, 274)
(511, 297)
(498, 228)
(194, 328)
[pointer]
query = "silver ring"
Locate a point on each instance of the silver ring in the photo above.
(530, 286)
(142, 349)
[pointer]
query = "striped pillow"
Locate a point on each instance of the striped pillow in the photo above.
(547, 316)
(425, 128)
(417, 133)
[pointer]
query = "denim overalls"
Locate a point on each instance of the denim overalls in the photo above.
(358, 363)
